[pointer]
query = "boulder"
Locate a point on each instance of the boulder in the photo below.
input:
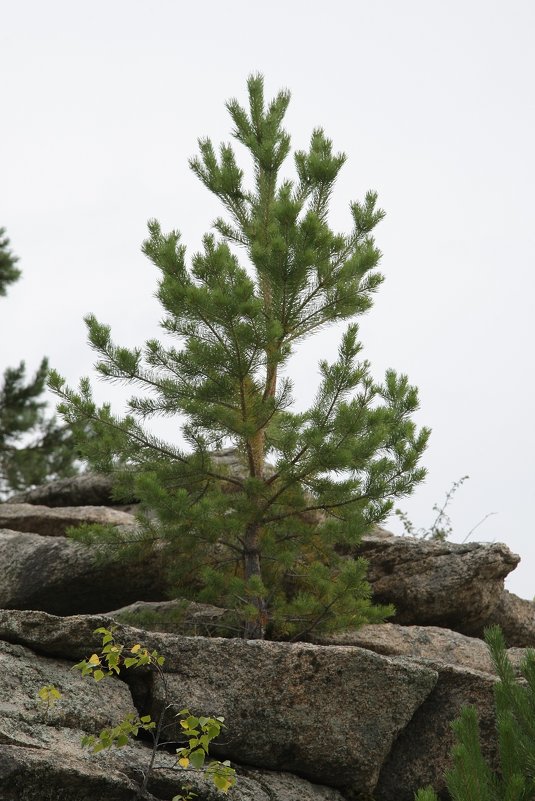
(87, 489)
(424, 642)
(422, 752)
(63, 772)
(516, 617)
(71, 638)
(455, 586)
(329, 714)
(54, 522)
(41, 758)
(179, 616)
(85, 705)
(65, 577)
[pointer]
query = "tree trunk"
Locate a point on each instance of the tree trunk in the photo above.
(254, 629)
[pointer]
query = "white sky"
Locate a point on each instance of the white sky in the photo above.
(433, 102)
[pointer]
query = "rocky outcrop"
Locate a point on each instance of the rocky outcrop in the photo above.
(437, 583)
(328, 714)
(65, 577)
(347, 717)
(41, 758)
(455, 586)
(54, 522)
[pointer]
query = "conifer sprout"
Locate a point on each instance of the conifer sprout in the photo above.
(264, 542)
(472, 778)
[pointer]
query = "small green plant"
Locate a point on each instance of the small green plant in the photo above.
(471, 778)
(48, 696)
(198, 732)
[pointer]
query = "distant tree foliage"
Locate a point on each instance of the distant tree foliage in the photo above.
(267, 541)
(8, 272)
(34, 448)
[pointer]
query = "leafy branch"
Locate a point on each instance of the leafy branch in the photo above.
(198, 731)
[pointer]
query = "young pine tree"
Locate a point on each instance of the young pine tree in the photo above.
(33, 447)
(471, 778)
(265, 540)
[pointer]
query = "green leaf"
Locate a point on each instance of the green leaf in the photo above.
(197, 758)
(223, 783)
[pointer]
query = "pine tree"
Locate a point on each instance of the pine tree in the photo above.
(268, 541)
(8, 272)
(33, 447)
(471, 778)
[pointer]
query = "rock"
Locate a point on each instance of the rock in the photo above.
(424, 642)
(179, 616)
(286, 787)
(437, 583)
(87, 489)
(516, 617)
(71, 638)
(84, 705)
(41, 758)
(330, 714)
(40, 749)
(65, 577)
(422, 752)
(65, 773)
(54, 522)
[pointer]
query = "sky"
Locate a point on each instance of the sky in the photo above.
(432, 102)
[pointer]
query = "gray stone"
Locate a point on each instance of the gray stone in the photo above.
(85, 705)
(179, 616)
(516, 618)
(54, 522)
(422, 752)
(329, 714)
(65, 577)
(71, 638)
(41, 758)
(87, 489)
(437, 583)
(424, 642)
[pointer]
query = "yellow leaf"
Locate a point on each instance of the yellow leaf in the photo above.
(135, 649)
(183, 762)
(94, 660)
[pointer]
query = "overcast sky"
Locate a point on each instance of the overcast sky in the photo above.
(433, 102)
